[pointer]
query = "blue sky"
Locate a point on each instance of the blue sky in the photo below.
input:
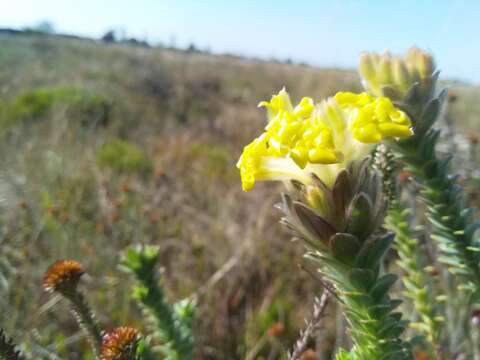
(324, 33)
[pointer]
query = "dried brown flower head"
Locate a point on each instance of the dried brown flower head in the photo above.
(309, 355)
(65, 217)
(422, 355)
(125, 188)
(114, 216)
(154, 217)
(276, 329)
(63, 275)
(159, 174)
(52, 210)
(474, 139)
(431, 270)
(404, 176)
(120, 343)
(452, 97)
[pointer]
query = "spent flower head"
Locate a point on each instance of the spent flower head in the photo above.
(120, 343)
(63, 275)
(320, 138)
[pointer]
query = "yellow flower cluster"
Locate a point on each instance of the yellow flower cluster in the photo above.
(335, 131)
(397, 72)
(374, 118)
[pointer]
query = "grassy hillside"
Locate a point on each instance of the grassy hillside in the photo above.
(107, 145)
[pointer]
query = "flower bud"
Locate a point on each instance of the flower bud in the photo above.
(426, 65)
(316, 199)
(367, 67)
(401, 75)
(412, 54)
(385, 69)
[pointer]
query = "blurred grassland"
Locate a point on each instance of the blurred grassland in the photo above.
(107, 145)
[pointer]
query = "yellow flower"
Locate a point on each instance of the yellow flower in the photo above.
(318, 138)
(374, 118)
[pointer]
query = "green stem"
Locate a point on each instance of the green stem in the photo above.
(452, 222)
(375, 329)
(171, 324)
(418, 288)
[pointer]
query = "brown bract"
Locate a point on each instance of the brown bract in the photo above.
(63, 275)
(120, 343)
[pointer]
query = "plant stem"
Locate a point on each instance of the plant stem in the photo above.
(86, 320)
(417, 287)
(319, 306)
(452, 222)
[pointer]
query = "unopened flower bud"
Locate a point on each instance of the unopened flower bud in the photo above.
(385, 69)
(315, 198)
(426, 65)
(401, 75)
(412, 55)
(367, 67)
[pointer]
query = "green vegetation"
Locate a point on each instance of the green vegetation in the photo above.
(33, 105)
(170, 324)
(122, 156)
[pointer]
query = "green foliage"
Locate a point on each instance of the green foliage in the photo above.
(123, 157)
(217, 160)
(144, 351)
(452, 220)
(345, 241)
(33, 105)
(170, 324)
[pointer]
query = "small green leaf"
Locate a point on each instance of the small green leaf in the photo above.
(359, 217)
(341, 192)
(314, 223)
(373, 250)
(383, 285)
(362, 279)
(344, 246)
(429, 115)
